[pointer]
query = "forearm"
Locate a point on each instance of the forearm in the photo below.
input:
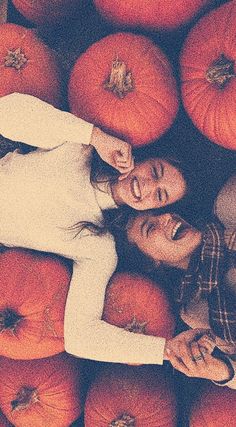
(87, 335)
(27, 119)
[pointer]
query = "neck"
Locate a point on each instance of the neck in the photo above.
(115, 194)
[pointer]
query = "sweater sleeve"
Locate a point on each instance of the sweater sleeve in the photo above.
(86, 334)
(27, 119)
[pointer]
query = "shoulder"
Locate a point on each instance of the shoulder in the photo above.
(225, 203)
(102, 248)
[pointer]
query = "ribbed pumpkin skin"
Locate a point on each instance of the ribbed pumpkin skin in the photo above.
(57, 381)
(46, 11)
(144, 113)
(142, 392)
(33, 286)
(212, 109)
(39, 76)
(130, 297)
(215, 407)
(150, 14)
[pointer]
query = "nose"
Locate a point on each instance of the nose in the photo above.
(149, 186)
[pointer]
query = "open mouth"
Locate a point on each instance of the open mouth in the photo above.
(179, 230)
(135, 188)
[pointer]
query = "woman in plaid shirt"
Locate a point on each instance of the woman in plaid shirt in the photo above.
(207, 292)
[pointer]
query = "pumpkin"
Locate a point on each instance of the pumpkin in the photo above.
(124, 84)
(28, 65)
(40, 393)
(215, 407)
(138, 305)
(150, 14)
(33, 289)
(208, 75)
(123, 396)
(4, 421)
(46, 11)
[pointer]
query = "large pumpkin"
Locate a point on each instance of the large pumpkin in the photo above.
(208, 75)
(46, 11)
(41, 393)
(215, 407)
(124, 84)
(28, 65)
(33, 290)
(150, 14)
(126, 396)
(138, 305)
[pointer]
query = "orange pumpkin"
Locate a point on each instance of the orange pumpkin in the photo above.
(138, 305)
(28, 65)
(46, 11)
(124, 84)
(150, 14)
(208, 75)
(33, 290)
(215, 407)
(40, 393)
(126, 396)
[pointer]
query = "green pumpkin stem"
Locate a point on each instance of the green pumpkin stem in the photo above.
(124, 420)
(135, 326)
(120, 81)
(25, 397)
(220, 71)
(9, 319)
(15, 59)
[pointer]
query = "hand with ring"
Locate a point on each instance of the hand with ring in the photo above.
(192, 359)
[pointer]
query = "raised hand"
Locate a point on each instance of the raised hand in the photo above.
(112, 150)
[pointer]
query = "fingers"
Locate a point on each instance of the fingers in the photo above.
(207, 343)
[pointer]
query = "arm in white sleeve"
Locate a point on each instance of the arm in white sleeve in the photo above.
(27, 119)
(89, 337)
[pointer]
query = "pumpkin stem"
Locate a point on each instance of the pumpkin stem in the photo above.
(9, 319)
(120, 80)
(25, 397)
(136, 327)
(15, 59)
(220, 71)
(124, 420)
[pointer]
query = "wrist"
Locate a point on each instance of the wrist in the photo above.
(95, 137)
(227, 372)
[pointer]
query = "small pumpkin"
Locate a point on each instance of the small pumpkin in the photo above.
(123, 396)
(33, 288)
(28, 65)
(45, 392)
(150, 14)
(124, 84)
(208, 73)
(138, 305)
(46, 11)
(214, 407)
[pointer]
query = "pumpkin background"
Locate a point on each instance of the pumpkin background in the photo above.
(211, 163)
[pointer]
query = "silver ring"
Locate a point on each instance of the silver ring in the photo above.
(196, 358)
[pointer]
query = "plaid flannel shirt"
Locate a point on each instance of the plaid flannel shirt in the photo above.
(205, 279)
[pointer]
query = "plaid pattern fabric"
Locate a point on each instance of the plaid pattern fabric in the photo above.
(205, 279)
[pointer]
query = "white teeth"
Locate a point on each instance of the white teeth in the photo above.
(136, 189)
(175, 229)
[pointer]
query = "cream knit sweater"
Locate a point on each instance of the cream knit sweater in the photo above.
(42, 195)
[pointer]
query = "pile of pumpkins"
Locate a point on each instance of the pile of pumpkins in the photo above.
(125, 84)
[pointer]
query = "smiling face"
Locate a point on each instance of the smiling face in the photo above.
(166, 238)
(153, 183)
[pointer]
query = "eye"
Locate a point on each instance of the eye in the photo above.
(155, 173)
(150, 227)
(159, 195)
